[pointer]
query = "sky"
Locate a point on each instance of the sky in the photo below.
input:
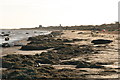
(32, 13)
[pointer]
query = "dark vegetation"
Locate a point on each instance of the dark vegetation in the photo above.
(42, 42)
(29, 66)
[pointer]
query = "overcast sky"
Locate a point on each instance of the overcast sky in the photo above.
(32, 13)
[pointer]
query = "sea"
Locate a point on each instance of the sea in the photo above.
(16, 35)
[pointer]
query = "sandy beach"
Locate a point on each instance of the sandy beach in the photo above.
(107, 55)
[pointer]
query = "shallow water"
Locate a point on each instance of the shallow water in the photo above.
(16, 35)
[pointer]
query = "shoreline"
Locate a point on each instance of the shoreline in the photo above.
(106, 56)
(17, 45)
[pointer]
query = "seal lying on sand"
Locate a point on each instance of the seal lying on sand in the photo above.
(101, 41)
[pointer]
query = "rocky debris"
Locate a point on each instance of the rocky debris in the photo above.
(101, 41)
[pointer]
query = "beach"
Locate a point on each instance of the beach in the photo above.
(106, 56)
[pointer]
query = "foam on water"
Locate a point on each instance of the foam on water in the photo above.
(16, 35)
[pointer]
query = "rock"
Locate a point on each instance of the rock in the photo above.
(101, 41)
(7, 39)
(7, 44)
